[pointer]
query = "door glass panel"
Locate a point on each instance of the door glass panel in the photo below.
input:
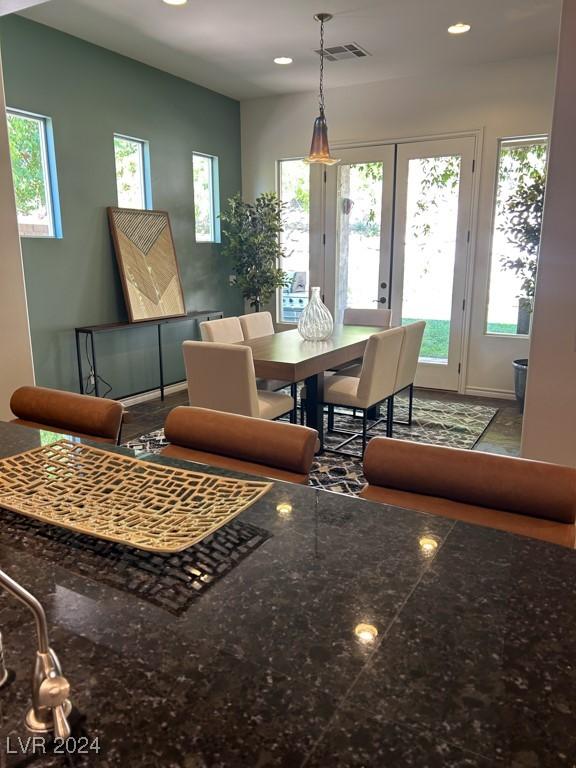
(295, 237)
(359, 224)
(430, 250)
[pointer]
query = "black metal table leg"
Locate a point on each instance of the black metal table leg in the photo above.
(94, 370)
(79, 358)
(160, 363)
(373, 413)
(314, 405)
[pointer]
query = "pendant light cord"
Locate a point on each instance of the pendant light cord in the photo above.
(321, 94)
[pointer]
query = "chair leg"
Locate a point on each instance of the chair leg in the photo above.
(364, 429)
(330, 418)
(410, 404)
(390, 417)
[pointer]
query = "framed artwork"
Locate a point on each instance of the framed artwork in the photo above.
(147, 261)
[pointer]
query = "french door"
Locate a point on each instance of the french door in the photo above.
(397, 224)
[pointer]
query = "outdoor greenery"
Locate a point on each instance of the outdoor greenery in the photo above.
(252, 241)
(436, 340)
(522, 214)
(126, 153)
(27, 164)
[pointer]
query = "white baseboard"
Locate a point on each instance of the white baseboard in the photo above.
(504, 394)
(153, 394)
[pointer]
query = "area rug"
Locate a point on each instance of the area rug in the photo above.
(457, 425)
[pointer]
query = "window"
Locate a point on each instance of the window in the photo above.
(34, 175)
(294, 192)
(206, 198)
(132, 172)
(520, 191)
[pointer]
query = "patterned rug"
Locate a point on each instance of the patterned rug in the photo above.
(457, 425)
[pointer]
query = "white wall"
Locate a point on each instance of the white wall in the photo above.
(504, 99)
(550, 415)
(15, 349)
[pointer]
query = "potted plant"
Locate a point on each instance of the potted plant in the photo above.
(252, 241)
(522, 227)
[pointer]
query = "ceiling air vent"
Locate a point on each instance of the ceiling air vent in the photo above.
(346, 51)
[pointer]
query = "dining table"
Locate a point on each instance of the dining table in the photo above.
(286, 356)
(316, 629)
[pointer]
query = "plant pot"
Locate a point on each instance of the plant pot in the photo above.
(520, 373)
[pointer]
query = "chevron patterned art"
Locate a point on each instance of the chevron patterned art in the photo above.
(147, 261)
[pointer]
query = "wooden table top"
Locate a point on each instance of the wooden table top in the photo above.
(287, 356)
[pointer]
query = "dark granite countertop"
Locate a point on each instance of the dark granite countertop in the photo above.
(473, 663)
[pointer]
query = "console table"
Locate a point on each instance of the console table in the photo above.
(91, 331)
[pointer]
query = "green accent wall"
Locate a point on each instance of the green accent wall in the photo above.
(91, 93)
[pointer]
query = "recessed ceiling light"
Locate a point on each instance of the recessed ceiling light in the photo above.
(175, 2)
(459, 29)
(283, 60)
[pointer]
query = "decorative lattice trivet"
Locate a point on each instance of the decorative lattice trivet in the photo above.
(153, 507)
(170, 581)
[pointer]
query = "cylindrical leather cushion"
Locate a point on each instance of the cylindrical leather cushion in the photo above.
(487, 480)
(272, 443)
(67, 410)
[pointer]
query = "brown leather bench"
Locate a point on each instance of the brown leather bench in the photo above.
(531, 498)
(242, 443)
(68, 413)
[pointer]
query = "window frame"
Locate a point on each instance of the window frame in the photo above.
(279, 293)
(504, 141)
(50, 174)
(146, 177)
(215, 229)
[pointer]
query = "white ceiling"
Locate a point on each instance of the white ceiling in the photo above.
(228, 45)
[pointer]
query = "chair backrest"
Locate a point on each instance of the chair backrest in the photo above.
(256, 324)
(409, 355)
(380, 366)
(271, 443)
(67, 411)
(226, 331)
(505, 483)
(221, 377)
(380, 318)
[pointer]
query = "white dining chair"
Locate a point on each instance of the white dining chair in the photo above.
(221, 377)
(373, 386)
(256, 324)
(414, 333)
(379, 318)
(406, 373)
(227, 330)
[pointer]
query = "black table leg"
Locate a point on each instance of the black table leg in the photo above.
(373, 413)
(79, 358)
(314, 405)
(160, 361)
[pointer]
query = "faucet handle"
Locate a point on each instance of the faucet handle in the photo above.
(53, 695)
(61, 724)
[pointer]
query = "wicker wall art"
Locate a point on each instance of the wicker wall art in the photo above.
(147, 261)
(147, 505)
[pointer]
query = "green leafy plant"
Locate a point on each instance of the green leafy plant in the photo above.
(27, 169)
(523, 225)
(252, 241)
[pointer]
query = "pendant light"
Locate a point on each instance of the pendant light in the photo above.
(319, 149)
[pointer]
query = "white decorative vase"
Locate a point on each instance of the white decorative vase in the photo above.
(315, 323)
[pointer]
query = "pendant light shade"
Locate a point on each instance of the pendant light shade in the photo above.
(320, 149)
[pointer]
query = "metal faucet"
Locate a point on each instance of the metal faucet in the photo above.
(50, 690)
